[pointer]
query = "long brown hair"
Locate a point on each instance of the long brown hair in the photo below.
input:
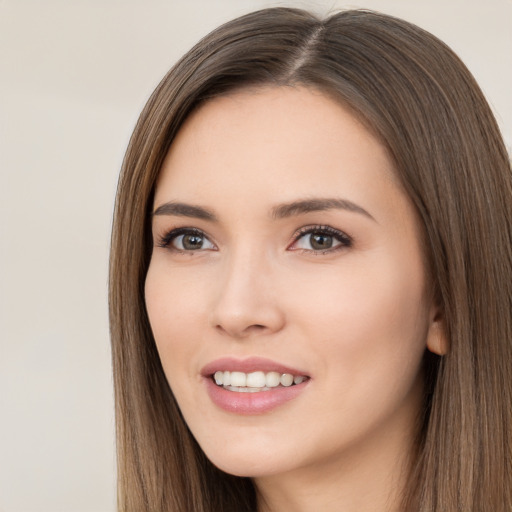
(424, 105)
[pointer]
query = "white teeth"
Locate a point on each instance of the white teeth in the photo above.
(286, 379)
(238, 379)
(272, 379)
(246, 390)
(255, 381)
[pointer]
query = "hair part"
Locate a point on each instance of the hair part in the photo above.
(410, 90)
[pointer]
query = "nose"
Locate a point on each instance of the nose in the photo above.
(247, 300)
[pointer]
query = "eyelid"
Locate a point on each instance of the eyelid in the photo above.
(345, 240)
(165, 240)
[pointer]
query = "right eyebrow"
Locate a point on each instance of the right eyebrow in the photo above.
(185, 210)
(317, 205)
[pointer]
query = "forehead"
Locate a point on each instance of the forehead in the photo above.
(280, 135)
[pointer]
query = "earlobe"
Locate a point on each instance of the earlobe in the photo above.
(437, 339)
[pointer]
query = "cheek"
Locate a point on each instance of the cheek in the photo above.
(369, 316)
(174, 297)
(173, 303)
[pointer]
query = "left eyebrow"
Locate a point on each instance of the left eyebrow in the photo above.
(317, 205)
(185, 210)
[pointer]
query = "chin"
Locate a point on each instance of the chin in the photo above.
(248, 462)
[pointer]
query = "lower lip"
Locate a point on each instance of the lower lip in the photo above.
(252, 403)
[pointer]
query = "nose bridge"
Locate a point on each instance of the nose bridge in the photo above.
(246, 300)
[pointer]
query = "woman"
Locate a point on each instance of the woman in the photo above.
(311, 277)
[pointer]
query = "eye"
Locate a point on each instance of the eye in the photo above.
(320, 239)
(186, 240)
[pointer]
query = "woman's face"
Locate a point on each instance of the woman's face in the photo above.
(285, 251)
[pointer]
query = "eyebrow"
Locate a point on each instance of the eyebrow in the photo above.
(278, 212)
(185, 210)
(317, 205)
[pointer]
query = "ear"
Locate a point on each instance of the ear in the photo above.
(437, 339)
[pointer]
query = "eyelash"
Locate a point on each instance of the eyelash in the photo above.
(166, 240)
(344, 240)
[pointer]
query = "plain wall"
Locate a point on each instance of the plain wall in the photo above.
(74, 75)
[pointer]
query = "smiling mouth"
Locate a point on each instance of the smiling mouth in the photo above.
(256, 381)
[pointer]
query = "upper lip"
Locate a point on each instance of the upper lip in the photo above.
(248, 365)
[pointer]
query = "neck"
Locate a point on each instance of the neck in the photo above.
(370, 475)
(372, 484)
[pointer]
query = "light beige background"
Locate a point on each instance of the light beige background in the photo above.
(74, 75)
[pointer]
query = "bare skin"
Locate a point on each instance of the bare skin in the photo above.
(292, 241)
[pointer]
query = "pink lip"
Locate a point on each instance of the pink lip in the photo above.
(250, 403)
(251, 364)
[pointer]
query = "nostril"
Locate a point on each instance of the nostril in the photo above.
(243, 332)
(255, 327)
(240, 319)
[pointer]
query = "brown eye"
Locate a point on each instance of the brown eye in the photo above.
(320, 241)
(186, 240)
(191, 242)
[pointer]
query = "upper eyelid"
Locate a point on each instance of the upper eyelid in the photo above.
(169, 235)
(165, 239)
(344, 239)
(318, 229)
